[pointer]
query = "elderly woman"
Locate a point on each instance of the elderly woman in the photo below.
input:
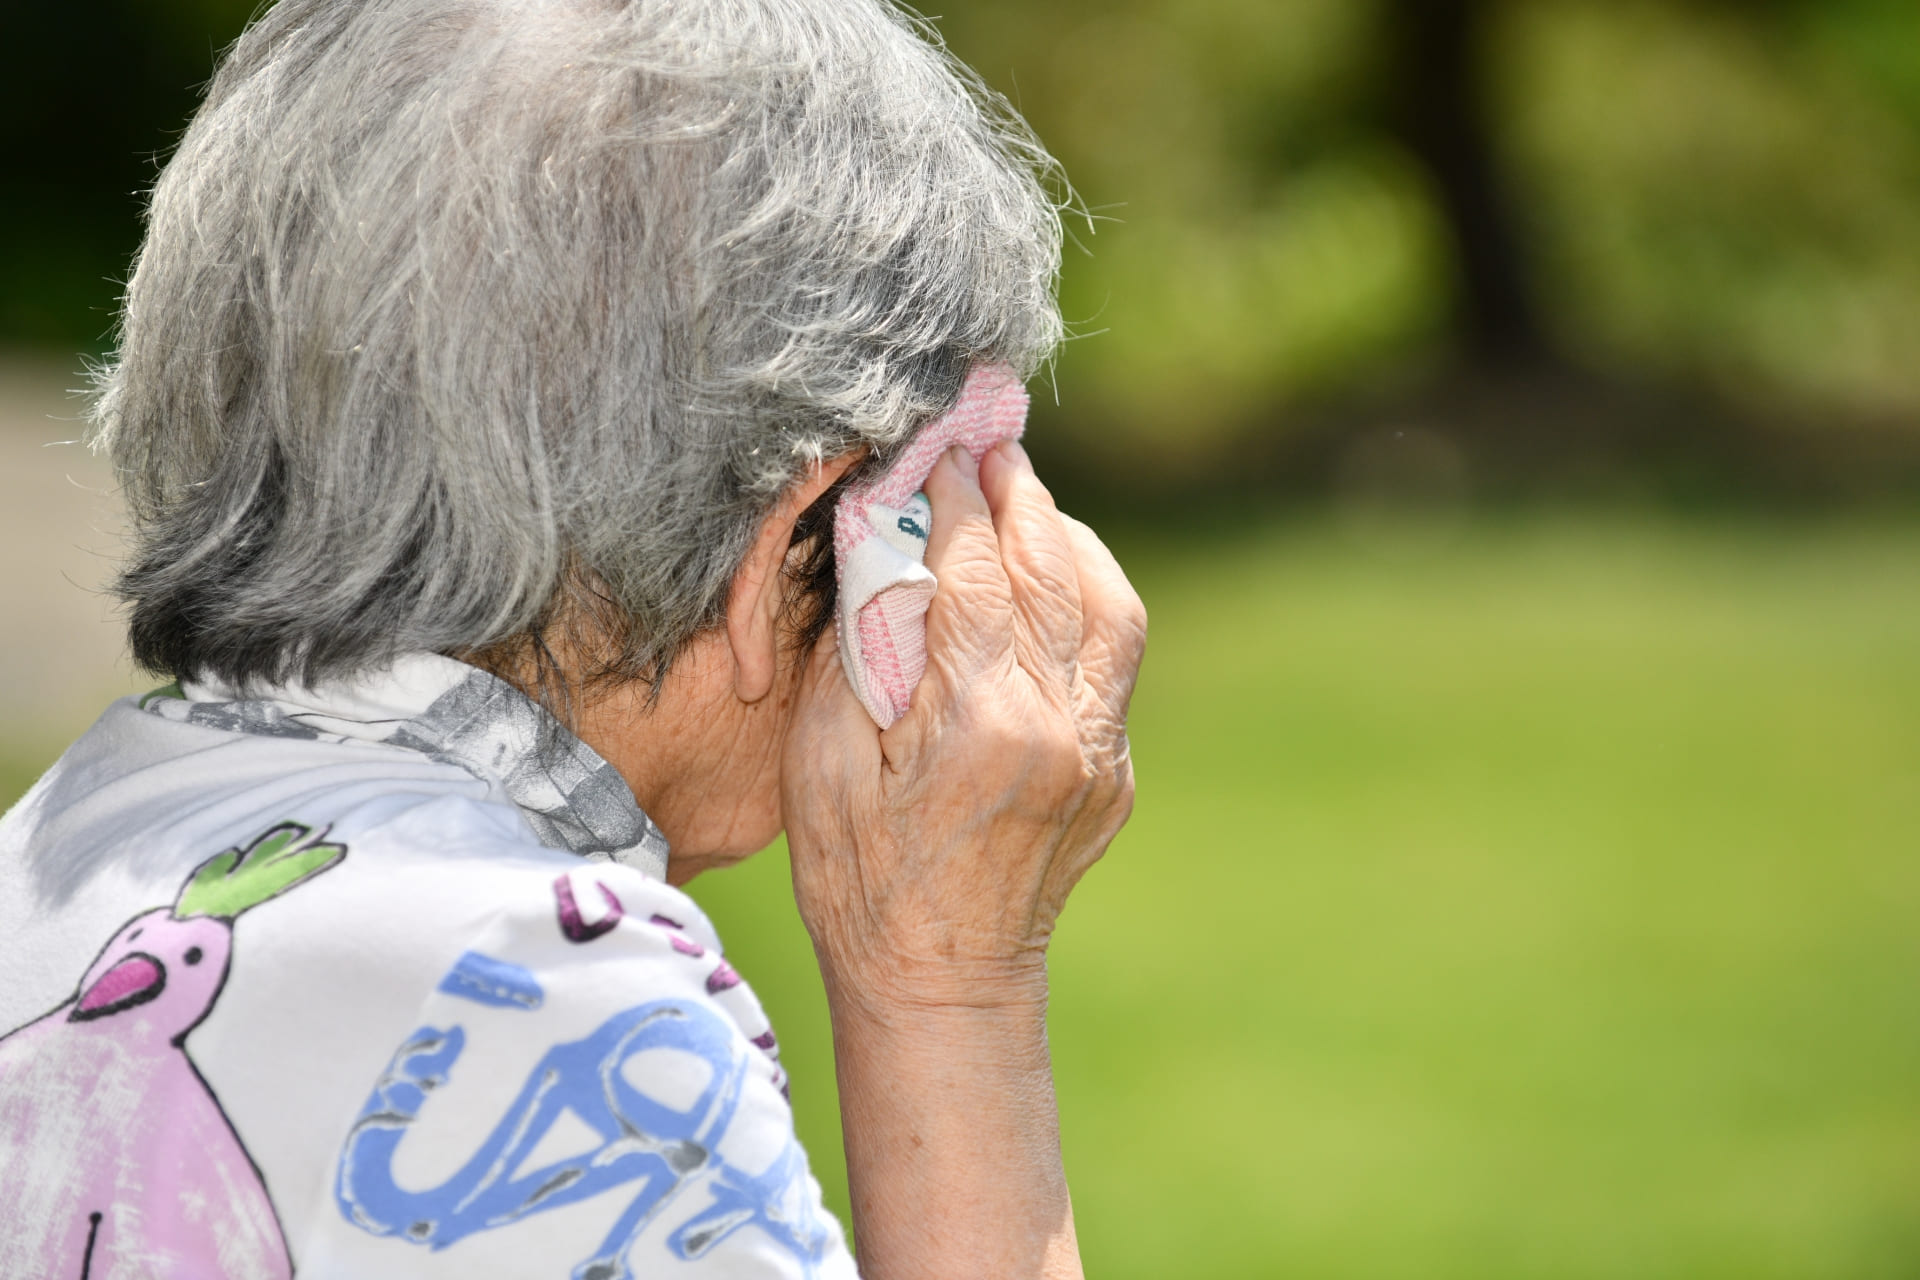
(484, 390)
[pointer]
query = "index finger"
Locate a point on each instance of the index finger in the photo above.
(970, 622)
(1039, 559)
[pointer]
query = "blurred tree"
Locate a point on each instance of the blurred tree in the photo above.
(1696, 216)
(1722, 195)
(1437, 79)
(91, 95)
(1300, 208)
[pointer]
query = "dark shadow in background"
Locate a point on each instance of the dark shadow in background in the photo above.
(94, 95)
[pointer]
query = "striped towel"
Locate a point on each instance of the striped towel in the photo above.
(880, 544)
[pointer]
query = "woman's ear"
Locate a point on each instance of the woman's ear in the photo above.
(757, 600)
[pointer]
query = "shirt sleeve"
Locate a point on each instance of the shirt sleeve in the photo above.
(590, 1092)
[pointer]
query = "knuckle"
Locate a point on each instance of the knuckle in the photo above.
(1115, 772)
(1129, 635)
(1059, 746)
(1051, 755)
(1007, 738)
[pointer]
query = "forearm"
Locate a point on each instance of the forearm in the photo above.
(953, 1141)
(931, 860)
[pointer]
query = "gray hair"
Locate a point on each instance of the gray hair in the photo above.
(450, 310)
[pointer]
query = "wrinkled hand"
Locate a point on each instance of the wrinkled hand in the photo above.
(931, 860)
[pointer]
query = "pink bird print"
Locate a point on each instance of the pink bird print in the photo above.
(115, 1157)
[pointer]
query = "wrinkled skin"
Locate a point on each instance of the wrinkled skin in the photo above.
(931, 862)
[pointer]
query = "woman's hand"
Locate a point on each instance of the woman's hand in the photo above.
(931, 861)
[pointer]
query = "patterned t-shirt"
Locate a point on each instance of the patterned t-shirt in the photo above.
(374, 980)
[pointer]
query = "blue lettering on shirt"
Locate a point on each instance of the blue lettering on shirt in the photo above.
(487, 981)
(648, 1148)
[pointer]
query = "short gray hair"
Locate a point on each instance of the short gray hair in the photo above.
(451, 309)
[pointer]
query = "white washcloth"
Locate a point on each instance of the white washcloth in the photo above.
(880, 544)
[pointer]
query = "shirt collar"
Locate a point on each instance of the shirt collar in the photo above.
(459, 715)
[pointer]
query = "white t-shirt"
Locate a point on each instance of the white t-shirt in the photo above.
(375, 980)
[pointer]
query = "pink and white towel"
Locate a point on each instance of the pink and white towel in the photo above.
(880, 544)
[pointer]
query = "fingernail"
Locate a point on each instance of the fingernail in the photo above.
(965, 461)
(1011, 450)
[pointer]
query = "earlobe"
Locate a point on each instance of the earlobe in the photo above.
(753, 614)
(757, 600)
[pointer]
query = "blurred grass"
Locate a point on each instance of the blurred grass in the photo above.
(1525, 899)
(1513, 898)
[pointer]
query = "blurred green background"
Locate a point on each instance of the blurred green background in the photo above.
(1510, 412)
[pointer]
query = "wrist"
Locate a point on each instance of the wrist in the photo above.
(903, 991)
(947, 1102)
